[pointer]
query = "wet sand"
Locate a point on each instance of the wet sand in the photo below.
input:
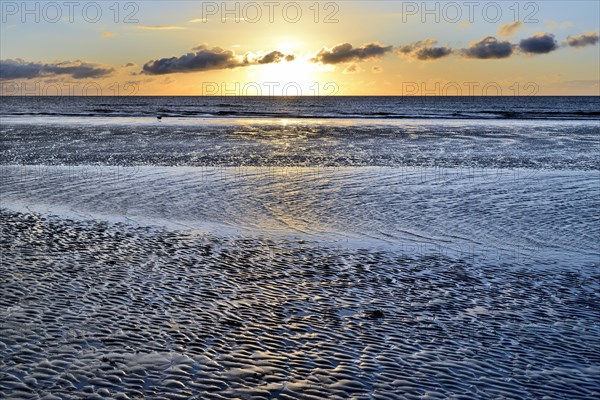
(102, 310)
(299, 260)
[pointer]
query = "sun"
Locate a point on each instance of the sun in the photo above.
(293, 78)
(297, 75)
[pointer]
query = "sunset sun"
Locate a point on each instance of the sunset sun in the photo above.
(293, 76)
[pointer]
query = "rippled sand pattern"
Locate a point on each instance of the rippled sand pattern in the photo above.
(178, 260)
(99, 310)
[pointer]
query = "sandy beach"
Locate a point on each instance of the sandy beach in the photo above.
(298, 259)
(97, 310)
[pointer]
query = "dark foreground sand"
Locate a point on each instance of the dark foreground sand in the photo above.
(98, 310)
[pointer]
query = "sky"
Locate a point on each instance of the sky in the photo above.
(299, 48)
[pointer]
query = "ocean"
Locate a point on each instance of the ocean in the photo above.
(323, 107)
(313, 247)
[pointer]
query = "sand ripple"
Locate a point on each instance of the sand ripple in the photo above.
(101, 310)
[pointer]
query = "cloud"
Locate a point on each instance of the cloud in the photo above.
(206, 59)
(488, 48)
(108, 35)
(422, 50)
(432, 53)
(203, 46)
(376, 69)
(21, 69)
(585, 39)
(346, 53)
(203, 60)
(275, 57)
(464, 25)
(540, 43)
(222, 19)
(352, 69)
(510, 28)
(159, 27)
(553, 25)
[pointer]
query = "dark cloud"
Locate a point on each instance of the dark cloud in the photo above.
(205, 59)
(540, 43)
(21, 69)
(274, 57)
(18, 69)
(346, 53)
(585, 39)
(77, 71)
(432, 53)
(422, 50)
(488, 48)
